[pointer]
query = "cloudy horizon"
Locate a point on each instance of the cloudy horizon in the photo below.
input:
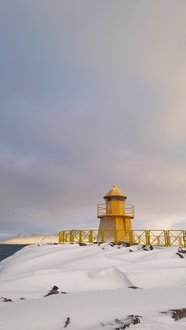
(92, 94)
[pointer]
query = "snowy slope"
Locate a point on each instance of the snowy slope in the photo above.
(94, 284)
(32, 239)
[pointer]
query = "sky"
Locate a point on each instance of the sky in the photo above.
(92, 93)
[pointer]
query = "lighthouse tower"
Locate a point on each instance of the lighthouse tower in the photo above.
(115, 215)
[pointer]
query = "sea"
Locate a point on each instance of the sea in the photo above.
(7, 250)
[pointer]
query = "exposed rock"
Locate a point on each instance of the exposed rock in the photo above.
(133, 287)
(55, 287)
(120, 243)
(180, 250)
(147, 248)
(176, 314)
(126, 244)
(6, 299)
(180, 255)
(53, 291)
(124, 323)
(67, 322)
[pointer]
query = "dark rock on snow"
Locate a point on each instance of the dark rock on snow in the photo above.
(67, 322)
(124, 323)
(6, 299)
(147, 248)
(176, 314)
(180, 255)
(53, 291)
(133, 287)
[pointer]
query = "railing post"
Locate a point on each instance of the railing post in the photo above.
(147, 237)
(90, 236)
(65, 237)
(80, 236)
(71, 236)
(168, 238)
(165, 237)
(61, 237)
(115, 236)
(180, 239)
(184, 238)
(103, 236)
(131, 237)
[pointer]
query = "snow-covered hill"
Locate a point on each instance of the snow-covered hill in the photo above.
(32, 239)
(93, 287)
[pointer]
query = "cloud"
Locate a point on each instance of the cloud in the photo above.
(92, 94)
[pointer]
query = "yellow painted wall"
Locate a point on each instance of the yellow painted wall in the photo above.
(107, 223)
(120, 223)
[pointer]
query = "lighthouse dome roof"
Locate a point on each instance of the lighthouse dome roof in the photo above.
(115, 191)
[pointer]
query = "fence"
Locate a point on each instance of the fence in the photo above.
(145, 237)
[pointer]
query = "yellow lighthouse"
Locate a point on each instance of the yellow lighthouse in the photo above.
(115, 216)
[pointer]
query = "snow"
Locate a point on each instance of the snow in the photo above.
(95, 281)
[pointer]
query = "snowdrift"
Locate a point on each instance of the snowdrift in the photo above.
(96, 285)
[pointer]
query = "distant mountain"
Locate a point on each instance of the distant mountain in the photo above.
(32, 239)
